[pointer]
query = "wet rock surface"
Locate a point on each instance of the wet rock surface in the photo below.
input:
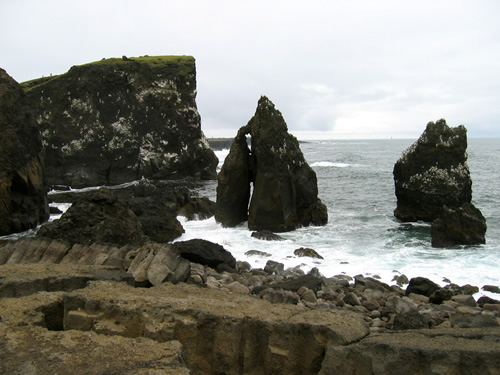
(23, 203)
(117, 120)
(465, 225)
(285, 192)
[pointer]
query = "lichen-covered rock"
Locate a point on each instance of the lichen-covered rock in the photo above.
(285, 191)
(117, 120)
(433, 173)
(23, 192)
(462, 226)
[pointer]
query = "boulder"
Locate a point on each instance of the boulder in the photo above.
(433, 173)
(285, 191)
(204, 252)
(99, 218)
(23, 189)
(421, 285)
(307, 252)
(464, 225)
(116, 120)
(267, 235)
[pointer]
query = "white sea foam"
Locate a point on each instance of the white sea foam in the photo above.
(333, 164)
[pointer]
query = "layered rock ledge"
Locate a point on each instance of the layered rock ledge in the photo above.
(232, 321)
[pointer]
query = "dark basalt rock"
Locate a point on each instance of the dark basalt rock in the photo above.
(267, 235)
(100, 217)
(462, 226)
(285, 192)
(23, 191)
(118, 120)
(421, 285)
(204, 252)
(433, 173)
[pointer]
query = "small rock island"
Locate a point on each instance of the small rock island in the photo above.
(285, 190)
(433, 184)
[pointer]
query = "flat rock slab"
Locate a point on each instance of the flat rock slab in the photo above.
(437, 351)
(34, 350)
(22, 280)
(218, 329)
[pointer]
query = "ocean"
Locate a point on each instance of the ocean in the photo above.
(362, 236)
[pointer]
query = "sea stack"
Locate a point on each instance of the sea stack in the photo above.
(23, 192)
(285, 191)
(121, 119)
(432, 178)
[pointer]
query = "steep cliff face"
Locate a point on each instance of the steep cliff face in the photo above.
(23, 202)
(117, 120)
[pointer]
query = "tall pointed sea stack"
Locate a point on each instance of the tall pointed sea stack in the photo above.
(432, 182)
(285, 191)
(23, 193)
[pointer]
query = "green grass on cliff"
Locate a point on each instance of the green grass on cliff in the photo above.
(154, 60)
(186, 62)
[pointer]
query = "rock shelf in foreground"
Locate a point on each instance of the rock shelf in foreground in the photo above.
(239, 321)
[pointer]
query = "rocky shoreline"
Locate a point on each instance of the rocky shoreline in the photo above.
(229, 318)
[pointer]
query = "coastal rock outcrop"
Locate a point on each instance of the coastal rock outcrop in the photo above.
(465, 225)
(99, 218)
(23, 190)
(433, 173)
(433, 184)
(285, 191)
(117, 120)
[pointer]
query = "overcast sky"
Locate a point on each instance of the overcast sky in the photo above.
(335, 69)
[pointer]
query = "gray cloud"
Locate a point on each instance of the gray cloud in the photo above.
(335, 69)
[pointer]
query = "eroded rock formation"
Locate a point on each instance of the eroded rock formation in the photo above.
(23, 203)
(285, 192)
(118, 120)
(433, 173)
(432, 181)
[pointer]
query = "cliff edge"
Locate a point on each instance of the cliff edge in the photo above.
(121, 119)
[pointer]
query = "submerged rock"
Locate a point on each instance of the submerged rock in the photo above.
(23, 191)
(462, 226)
(117, 120)
(433, 173)
(285, 191)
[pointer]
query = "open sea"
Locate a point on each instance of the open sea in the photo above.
(362, 236)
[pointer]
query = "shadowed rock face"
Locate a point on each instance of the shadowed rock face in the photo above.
(23, 203)
(433, 173)
(118, 120)
(464, 226)
(285, 192)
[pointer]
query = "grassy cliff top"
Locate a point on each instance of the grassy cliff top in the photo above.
(185, 63)
(155, 60)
